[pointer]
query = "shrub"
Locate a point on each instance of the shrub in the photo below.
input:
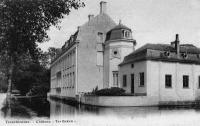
(95, 90)
(113, 91)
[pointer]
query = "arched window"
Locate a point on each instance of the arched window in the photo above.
(125, 33)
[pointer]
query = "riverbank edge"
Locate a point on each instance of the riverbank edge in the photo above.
(14, 103)
(69, 100)
(94, 101)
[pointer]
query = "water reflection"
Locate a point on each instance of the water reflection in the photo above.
(40, 106)
(60, 109)
(31, 108)
(26, 108)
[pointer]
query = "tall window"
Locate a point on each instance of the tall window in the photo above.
(124, 81)
(70, 79)
(168, 81)
(74, 60)
(141, 79)
(199, 81)
(115, 78)
(67, 80)
(185, 81)
(68, 61)
(99, 58)
(70, 57)
(100, 37)
(74, 81)
(99, 48)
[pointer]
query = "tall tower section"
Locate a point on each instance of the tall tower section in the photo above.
(118, 44)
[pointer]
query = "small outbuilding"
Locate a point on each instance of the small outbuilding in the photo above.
(166, 72)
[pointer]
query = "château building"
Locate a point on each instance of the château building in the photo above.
(118, 44)
(91, 56)
(102, 54)
(156, 74)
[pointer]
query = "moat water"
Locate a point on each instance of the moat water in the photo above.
(49, 109)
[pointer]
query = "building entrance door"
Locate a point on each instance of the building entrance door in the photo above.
(132, 83)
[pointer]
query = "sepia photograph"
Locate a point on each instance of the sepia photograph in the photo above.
(100, 62)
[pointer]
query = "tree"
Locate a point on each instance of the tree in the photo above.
(25, 22)
(45, 58)
(30, 76)
(53, 52)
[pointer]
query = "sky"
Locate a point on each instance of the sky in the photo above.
(151, 21)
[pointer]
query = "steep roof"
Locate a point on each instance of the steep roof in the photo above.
(118, 32)
(120, 26)
(94, 22)
(188, 48)
(102, 17)
(69, 43)
(158, 49)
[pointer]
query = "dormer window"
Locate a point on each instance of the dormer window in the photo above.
(125, 33)
(119, 32)
(72, 39)
(166, 53)
(184, 55)
(66, 44)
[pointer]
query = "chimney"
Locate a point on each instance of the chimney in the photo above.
(177, 46)
(90, 17)
(78, 28)
(103, 7)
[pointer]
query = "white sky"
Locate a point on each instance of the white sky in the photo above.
(152, 21)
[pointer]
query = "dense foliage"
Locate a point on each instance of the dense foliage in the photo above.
(23, 23)
(30, 77)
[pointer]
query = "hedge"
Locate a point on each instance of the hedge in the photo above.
(113, 91)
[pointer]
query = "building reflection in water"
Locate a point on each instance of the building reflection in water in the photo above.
(58, 109)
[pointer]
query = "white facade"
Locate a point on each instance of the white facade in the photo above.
(114, 54)
(79, 68)
(63, 74)
(102, 55)
(154, 80)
